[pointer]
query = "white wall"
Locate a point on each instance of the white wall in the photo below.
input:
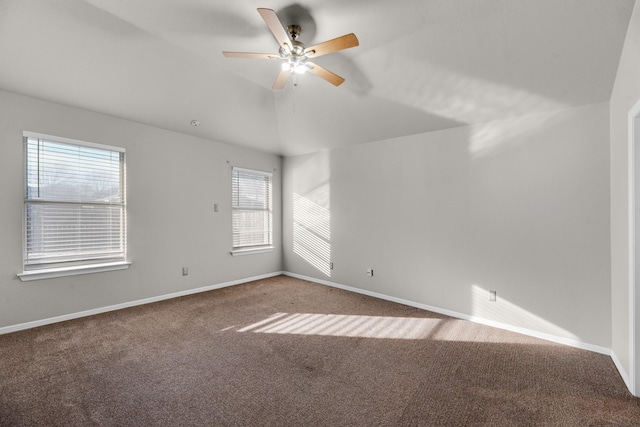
(520, 206)
(173, 181)
(626, 93)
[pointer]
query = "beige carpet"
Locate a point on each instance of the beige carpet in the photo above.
(286, 352)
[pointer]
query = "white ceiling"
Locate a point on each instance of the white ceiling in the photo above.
(422, 65)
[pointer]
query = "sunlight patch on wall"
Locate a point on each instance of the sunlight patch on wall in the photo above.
(311, 211)
(343, 325)
(313, 216)
(312, 233)
(506, 312)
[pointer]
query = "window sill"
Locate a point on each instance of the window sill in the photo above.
(248, 251)
(50, 273)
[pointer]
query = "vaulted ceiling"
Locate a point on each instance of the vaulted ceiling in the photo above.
(422, 65)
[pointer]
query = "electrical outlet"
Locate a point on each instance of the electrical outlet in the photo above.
(330, 266)
(185, 271)
(370, 272)
(492, 296)
(215, 207)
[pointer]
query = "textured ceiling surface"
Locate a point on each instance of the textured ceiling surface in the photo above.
(422, 65)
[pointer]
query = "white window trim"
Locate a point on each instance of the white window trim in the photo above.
(28, 134)
(74, 270)
(50, 273)
(252, 171)
(248, 251)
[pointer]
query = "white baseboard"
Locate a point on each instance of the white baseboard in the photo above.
(548, 337)
(475, 319)
(71, 316)
(623, 373)
(561, 340)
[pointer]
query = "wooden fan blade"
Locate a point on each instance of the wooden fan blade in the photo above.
(250, 55)
(276, 27)
(281, 80)
(333, 45)
(323, 73)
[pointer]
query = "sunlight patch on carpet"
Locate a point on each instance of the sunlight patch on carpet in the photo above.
(343, 325)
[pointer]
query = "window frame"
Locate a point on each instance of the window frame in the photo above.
(82, 264)
(248, 248)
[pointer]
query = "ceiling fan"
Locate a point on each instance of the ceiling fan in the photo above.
(294, 54)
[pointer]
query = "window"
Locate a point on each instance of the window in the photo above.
(251, 206)
(74, 205)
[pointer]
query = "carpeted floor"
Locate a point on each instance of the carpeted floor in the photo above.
(286, 352)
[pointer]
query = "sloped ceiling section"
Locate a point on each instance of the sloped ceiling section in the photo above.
(422, 65)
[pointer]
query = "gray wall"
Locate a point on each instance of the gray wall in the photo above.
(520, 206)
(626, 93)
(173, 181)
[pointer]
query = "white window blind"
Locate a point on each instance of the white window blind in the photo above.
(74, 206)
(251, 207)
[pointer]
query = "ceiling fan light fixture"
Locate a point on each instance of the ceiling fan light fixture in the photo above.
(303, 68)
(300, 67)
(296, 65)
